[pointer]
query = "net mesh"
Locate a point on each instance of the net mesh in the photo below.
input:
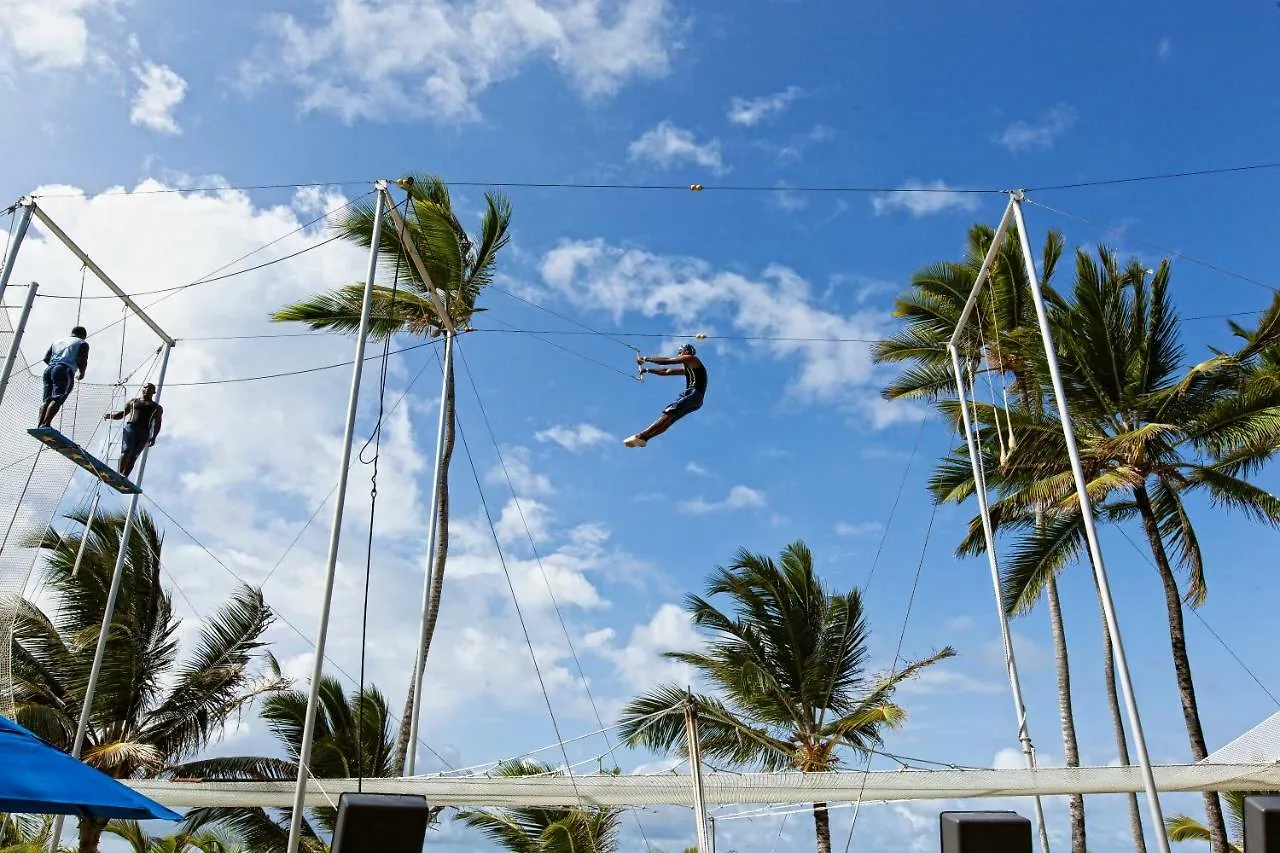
(34, 480)
(728, 788)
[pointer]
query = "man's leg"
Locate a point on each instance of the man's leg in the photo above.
(130, 447)
(47, 378)
(62, 381)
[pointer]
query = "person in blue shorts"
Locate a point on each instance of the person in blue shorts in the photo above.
(68, 358)
(690, 399)
(140, 430)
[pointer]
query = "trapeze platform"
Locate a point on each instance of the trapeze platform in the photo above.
(77, 454)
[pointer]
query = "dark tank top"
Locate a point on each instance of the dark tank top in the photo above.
(141, 412)
(695, 377)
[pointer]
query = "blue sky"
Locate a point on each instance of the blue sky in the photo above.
(793, 441)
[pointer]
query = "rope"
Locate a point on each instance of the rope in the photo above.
(373, 509)
(897, 655)
(515, 601)
(893, 509)
(542, 570)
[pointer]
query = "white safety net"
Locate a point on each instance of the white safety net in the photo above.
(727, 788)
(33, 478)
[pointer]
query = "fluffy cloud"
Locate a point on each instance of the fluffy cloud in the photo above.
(49, 35)
(833, 350)
(862, 528)
(1021, 135)
(383, 59)
(667, 145)
(575, 438)
(923, 199)
(160, 91)
(739, 497)
(751, 111)
(639, 663)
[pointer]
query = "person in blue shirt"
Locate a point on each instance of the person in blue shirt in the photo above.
(690, 399)
(68, 358)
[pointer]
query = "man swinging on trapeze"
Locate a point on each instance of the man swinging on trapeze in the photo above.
(145, 415)
(690, 399)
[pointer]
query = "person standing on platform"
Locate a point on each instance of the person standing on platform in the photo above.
(66, 358)
(140, 430)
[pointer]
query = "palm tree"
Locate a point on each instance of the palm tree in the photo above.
(459, 266)
(24, 833)
(153, 707)
(1150, 433)
(352, 738)
(592, 829)
(1003, 331)
(788, 667)
(1184, 828)
(141, 841)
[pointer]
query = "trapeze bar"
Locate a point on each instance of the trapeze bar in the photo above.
(77, 454)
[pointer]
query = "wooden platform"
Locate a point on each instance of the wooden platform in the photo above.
(77, 454)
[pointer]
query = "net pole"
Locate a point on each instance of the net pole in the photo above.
(432, 532)
(1091, 533)
(84, 537)
(335, 532)
(15, 345)
(695, 773)
(11, 257)
(108, 613)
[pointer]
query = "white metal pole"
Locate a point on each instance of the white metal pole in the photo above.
(432, 533)
(15, 345)
(1091, 533)
(695, 773)
(1011, 663)
(11, 257)
(108, 613)
(335, 533)
(84, 537)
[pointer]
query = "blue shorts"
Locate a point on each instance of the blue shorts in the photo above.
(59, 379)
(688, 401)
(133, 440)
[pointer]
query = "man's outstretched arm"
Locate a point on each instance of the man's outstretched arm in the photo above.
(665, 371)
(663, 359)
(115, 416)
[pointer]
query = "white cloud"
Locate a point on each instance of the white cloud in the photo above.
(524, 480)
(862, 528)
(923, 199)
(666, 145)
(695, 468)
(160, 91)
(48, 35)
(639, 663)
(940, 679)
(574, 437)
(397, 59)
(1164, 49)
(751, 111)
(834, 361)
(1022, 135)
(788, 199)
(739, 497)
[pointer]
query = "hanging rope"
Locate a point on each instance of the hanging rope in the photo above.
(1005, 447)
(376, 439)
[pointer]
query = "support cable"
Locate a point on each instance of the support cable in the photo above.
(542, 569)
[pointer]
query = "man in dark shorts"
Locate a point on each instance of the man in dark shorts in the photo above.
(66, 358)
(140, 430)
(690, 399)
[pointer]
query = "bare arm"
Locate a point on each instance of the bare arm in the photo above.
(82, 359)
(662, 359)
(155, 424)
(115, 416)
(666, 371)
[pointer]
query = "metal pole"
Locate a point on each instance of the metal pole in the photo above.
(432, 532)
(983, 272)
(15, 345)
(1011, 663)
(117, 575)
(84, 537)
(11, 257)
(331, 566)
(695, 772)
(1091, 533)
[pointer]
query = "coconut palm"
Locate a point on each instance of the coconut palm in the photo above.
(352, 738)
(591, 829)
(1002, 331)
(459, 266)
(153, 706)
(1151, 433)
(141, 841)
(24, 833)
(788, 669)
(1184, 828)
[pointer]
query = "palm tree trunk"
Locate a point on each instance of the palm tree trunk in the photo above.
(437, 575)
(1070, 747)
(822, 825)
(1117, 722)
(1182, 665)
(90, 832)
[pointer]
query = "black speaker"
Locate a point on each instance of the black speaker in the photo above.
(1262, 824)
(985, 832)
(380, 823)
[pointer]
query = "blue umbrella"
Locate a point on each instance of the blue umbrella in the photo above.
(36, 778)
